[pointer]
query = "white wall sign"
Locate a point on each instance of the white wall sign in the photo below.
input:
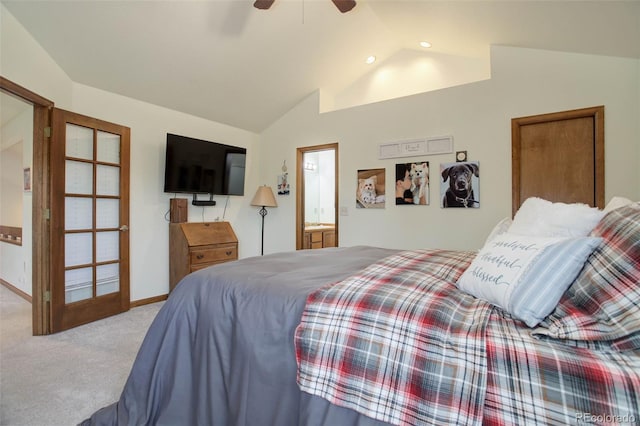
(416, 147)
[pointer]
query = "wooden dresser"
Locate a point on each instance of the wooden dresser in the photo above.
(194, 246)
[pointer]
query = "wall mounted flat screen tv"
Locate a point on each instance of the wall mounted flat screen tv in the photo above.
(196, 166)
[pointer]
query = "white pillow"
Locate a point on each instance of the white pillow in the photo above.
(542, 218)
(500, 228)
(524, 275)
(616, 203)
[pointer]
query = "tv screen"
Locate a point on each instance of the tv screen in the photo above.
(201, 167)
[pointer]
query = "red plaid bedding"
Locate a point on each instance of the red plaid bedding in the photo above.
(398, 342)
(550, 382)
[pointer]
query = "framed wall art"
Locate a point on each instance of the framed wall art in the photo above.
(370, 189)
(283, 184)
(26, 178)
(412, 183)
(460, 184)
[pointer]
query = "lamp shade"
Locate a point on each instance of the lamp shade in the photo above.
(264, 197)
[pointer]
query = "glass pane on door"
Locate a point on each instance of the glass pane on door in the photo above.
(107, 213)
(108, 147)
(107, 246)
(78, 249)
(107, 180)
(78, 284)
(79, 143)
(107, 279)
(78, 213)
(78, 177)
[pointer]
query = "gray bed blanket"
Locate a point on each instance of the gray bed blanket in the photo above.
(221, 350)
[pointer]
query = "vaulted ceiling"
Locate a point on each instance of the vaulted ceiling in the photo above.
(229, 62)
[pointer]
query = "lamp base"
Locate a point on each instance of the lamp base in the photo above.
(263, 213)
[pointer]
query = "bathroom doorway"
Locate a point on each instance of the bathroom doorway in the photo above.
(317, 197)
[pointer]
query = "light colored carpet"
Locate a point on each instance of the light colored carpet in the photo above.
(63, 378)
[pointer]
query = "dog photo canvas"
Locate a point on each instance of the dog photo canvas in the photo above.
(460, 185)
(370, 189)
(412, 183)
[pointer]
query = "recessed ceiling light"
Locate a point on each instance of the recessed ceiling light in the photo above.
(371, 59)
(425, 44)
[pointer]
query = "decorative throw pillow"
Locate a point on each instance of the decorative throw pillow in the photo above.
(542, 218)
(524, 275)
(604, 301)
(500, 228)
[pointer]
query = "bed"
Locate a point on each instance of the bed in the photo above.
(373, 336)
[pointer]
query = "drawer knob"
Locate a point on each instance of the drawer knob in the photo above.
(228, 252)
(199, 256)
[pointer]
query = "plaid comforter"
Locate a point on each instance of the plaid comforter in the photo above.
(398, 341)
(542, 381)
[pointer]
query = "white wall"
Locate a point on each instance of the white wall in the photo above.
(23, 61)
(408, 72)
(11, 185)
(478, 115)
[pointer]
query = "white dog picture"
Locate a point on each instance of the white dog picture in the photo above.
(412, 183)
(370, 189)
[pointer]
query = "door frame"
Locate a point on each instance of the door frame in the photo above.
(300, 189)
(40, 186)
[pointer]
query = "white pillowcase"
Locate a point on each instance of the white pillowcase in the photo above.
(525, 275)
(500, 228)
(542, 218)
(616, 203)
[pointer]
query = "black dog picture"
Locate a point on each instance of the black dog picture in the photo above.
(460, 184)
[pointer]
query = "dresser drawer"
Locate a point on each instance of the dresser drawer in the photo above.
(214, 254)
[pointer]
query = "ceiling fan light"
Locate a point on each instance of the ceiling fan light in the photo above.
(425, 44)
(371, 59)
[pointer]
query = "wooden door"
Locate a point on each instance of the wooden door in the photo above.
(559, 157)
(89, 219)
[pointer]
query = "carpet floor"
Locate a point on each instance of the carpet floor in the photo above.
(61, 379)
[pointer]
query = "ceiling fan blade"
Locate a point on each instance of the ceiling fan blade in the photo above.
(344, 5)
(263, 4)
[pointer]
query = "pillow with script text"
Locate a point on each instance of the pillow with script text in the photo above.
(525, 275)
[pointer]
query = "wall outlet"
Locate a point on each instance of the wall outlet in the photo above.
(344, 211)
